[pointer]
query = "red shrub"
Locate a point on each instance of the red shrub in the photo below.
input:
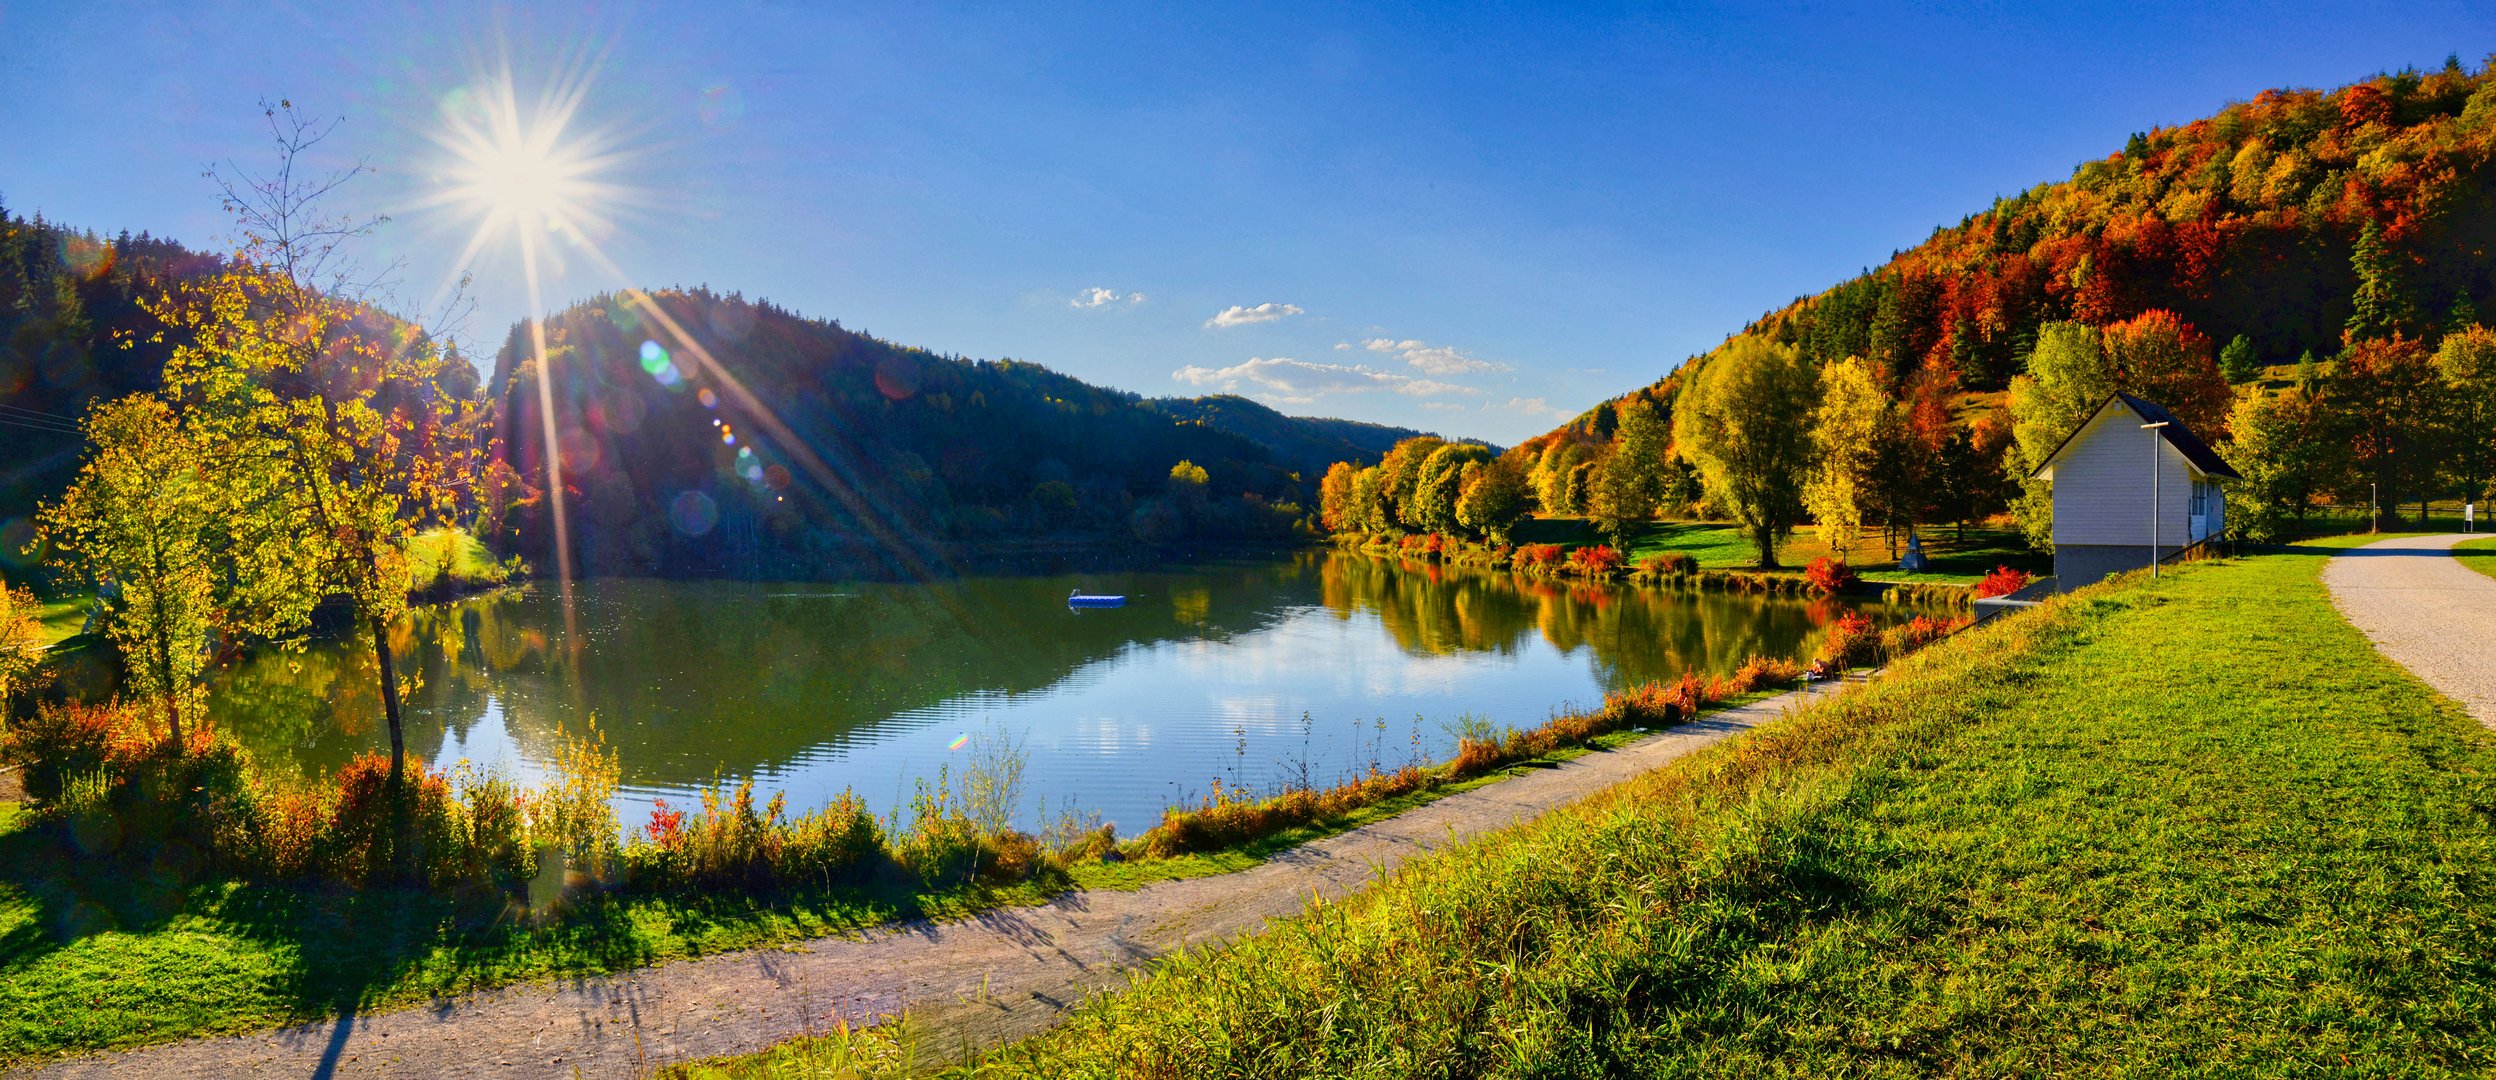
(1599, 561)
(667, 826)
(1830, 576)
(1916, 633)
(2003, 581)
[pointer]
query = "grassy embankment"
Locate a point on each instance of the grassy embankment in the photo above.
(97, 954)
(2479, 555)
(2188, 826)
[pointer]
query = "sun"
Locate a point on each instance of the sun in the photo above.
(524, 180)
(515, 169)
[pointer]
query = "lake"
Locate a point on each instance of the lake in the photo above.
(1259, 671)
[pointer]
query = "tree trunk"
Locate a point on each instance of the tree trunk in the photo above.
(402, 820)
(390, 702)
(173, 720)
(1767, 544)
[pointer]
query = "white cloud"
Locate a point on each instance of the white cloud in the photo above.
(1236, 315)
(1434, 359)
(1533, 406)
(1342, 345)
(1299, 382)
(1097, 297)
(1442, 406)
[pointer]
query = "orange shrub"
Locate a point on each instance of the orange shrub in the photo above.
(1852, 642)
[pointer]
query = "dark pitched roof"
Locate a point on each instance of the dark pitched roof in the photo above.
(2176, 434)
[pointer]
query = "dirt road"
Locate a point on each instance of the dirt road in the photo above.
(2426, 611)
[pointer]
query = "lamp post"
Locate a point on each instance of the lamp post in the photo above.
(2152, 429)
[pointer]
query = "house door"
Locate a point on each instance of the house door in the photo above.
(2198, 527)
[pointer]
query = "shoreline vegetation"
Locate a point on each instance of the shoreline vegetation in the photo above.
(1937, 873)
(1666, 569)
(289, 881)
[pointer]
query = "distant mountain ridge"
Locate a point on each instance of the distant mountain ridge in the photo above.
(934, 449)
(736, 437)
(1307, 444)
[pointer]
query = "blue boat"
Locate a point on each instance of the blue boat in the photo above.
(1076, 598)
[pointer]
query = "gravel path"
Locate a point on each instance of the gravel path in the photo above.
(980, 981)
(2426, 611)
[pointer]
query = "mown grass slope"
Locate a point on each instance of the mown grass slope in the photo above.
(2195, 826)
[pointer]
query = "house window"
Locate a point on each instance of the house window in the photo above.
(2201, 504)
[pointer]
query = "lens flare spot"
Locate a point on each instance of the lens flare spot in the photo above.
(17, 541)
(709, 399)
(692, 513)
(960, 741)
(721, 106)
(581, 450)
(896, 378)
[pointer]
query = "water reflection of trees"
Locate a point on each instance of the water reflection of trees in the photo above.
(691, 677)
(688, 677)
(314, 708)
(1636, 634)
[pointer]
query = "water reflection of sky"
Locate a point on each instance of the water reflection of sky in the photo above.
(1246, 674)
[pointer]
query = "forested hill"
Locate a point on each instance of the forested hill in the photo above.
(71, 333)
(2262, 221)
(1305, 444)
(746, 439)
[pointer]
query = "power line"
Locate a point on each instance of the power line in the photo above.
(31, 426)
(4, 407)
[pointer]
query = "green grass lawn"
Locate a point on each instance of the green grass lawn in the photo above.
(2479, 555)
(2192, 826)
(428, 555)
(64, 617)
(455, 551)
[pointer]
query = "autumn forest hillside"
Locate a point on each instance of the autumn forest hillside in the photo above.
(2341, 235)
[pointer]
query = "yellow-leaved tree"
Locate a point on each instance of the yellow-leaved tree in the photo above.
(1844, 430)
(286, 360)
(142, 522)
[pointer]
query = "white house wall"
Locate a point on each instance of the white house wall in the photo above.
(2102, 481)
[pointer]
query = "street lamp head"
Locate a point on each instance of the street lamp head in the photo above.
(2159, 424)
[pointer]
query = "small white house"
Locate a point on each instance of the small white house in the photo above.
(2104, 477)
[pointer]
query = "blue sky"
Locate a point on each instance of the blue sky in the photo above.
(1473, 220)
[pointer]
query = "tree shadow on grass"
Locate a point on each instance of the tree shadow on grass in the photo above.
(333, 954)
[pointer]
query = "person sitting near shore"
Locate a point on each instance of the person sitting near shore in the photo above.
(1819, 671)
